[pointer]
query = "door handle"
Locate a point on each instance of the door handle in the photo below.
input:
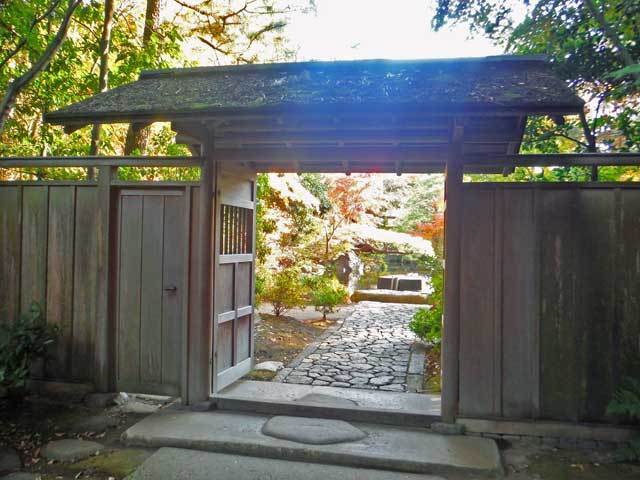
(170, 288)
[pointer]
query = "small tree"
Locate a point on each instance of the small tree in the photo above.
(283, 290)
(327, 294)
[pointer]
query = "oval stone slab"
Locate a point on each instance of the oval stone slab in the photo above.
(70, 450)
(314, 431)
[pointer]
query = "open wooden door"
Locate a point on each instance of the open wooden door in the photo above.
(234, 263)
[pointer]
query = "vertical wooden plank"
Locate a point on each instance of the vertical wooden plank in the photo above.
(84, 284)
(151, 288)
(194, 299)
(451, 321)
(626, 331)
(103, 375)
(130, 265)
(477, 302)
(595, 232)
(60, 276)
(34, 247)
(200, 321)
(173, 274)
(560, 329)
(10, 243)
(519, 304)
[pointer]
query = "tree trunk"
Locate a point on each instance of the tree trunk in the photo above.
(103, 79)
(138, 137)
(15, 87)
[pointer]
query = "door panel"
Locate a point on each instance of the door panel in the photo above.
(150, 291)
(234, 277)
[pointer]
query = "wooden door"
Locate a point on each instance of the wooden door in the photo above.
(233, 277)
(150, 290)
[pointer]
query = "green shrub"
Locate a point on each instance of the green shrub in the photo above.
(21, 342)
(283, 290)
(626, 403)
(327, 294)
(427, 322)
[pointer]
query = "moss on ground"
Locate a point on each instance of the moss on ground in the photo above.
(118, 463)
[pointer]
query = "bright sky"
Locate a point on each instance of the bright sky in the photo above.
(356, 29)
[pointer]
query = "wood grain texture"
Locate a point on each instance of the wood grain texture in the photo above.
(59, 305)
(129, 289)
(477, 309)
(35, 211)
(173, 275)
(151, 288)
(519, 305)
(84, 284)
(10, 247)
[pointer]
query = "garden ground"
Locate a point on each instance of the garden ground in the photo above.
(28, 428)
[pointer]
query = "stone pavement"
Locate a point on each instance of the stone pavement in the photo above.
(370, 350)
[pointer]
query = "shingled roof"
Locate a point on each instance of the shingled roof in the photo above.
(492, 84)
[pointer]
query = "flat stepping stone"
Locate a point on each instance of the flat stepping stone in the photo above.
(70, 450)
(329, 400)
(174, 463)
(9, 460)
(412, 450)
(270, 366)
(96, 424)
(313, 431)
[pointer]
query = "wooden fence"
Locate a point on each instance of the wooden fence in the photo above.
(549, 299)
(48, 247)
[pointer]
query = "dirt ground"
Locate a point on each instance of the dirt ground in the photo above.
(524, 461)
(283, 338)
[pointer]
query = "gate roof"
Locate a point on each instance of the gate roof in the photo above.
(369, 115)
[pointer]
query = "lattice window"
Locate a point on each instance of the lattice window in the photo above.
(236, 234)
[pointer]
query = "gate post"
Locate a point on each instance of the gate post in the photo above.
(103, 358)
(451, 322)
(199, 341)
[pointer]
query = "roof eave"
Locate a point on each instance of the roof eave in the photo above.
(86, 118)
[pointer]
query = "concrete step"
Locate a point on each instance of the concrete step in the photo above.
(350, 404)
(390, 448)
(382, 416)
(180, 464)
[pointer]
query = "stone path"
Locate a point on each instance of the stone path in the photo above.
(371, 350)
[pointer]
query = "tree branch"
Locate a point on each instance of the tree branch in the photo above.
(54, 4)
(626, 57)
(9, 100)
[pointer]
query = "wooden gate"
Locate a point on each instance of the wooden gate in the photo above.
(234, 277)
(150, 290)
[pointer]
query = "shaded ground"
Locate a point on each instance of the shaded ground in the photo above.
(524, 461)
(30, 426)
(432, 375)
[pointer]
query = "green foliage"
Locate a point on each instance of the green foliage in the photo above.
(21, 342)
(319, 188)
(427, 322)
(580, 47)
(626, 400)
(327, 293)
(284, 290)
(626, 403)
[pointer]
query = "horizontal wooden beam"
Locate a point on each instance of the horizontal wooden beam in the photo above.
(555, 159)
(89, 161)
